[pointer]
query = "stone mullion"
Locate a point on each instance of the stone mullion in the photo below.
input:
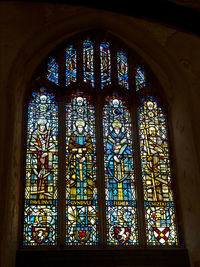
(114, 71)
(62, 149)
(138, 177)
(79, 65)
(97, 66)
(100, 175)
(61, 174)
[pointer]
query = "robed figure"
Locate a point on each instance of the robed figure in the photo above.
(42, 148)
(81, 163)
(118, 160)
(155, 159)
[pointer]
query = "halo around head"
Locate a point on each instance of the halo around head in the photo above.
(117, 123)
(43, 98)
(42, 121)
(116, 102)
(79, 100)
(80, 122)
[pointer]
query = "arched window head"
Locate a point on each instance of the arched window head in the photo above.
(105, 63)
(52, 71)
(140, 79)
(122, 68)
(70, 64)
(98, 170)
(88, 62)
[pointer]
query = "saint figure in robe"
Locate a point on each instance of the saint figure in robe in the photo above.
(81, 163)
(42, 147)
(118, 152)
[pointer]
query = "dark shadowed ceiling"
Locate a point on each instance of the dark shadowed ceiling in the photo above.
(182, 14)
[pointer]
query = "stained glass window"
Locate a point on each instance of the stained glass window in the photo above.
(122, 67)
(40, 208)
(105, 204)
(81, 181)
(140, 79)
(52, 71)
(88, 67)
(156, 174)
(105, 64)
(121, 215)
(70, 65)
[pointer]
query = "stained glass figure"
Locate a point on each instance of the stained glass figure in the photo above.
(40, 211)
(122, 67)
(70, 65)
(156, 174)
(88, 67)
(140, 79)
(81, 189)
(52, 71)
(121, 214)
(105, 64)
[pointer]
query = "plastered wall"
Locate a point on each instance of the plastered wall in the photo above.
(30, 31)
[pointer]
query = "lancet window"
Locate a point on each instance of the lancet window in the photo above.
(97, 167)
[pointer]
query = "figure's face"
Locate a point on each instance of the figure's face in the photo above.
(42, 127)
(43, 99)
(152, 131)
(80, 128)
(80, 101)
(117, 130)
(150, 105)
(116, 103)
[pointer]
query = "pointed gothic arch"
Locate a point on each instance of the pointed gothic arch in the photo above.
(83, 68)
